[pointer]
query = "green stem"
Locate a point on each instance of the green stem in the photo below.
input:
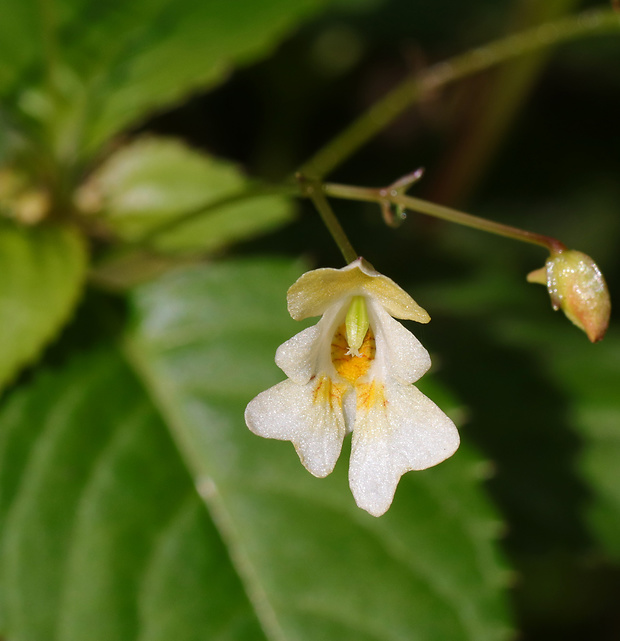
(314, 190)
(492, 107)
(394, 197)
(383, 112)
(392, 105)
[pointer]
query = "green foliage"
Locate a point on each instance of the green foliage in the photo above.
(548, 413)
(43, 270)
(204, 339)
(135, 505)
(588, 378)
(99, 515)
(152, 182)
(87, 70)
(591, 381)
(102, 528)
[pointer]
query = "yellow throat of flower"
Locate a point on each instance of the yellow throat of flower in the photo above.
(350, 366)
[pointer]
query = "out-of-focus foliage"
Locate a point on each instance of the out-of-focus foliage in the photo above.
(305, 550)
(150, 183)
(134, 503)
(555, 449)
(127, 553)
(81, 71)
(120, 519)
(42, 272)
(589, 382)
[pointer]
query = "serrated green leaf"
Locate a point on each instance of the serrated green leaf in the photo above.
(568, 483)
(315, 565)
(589, 375)
(103, 535)
(114, 62)
(43, 270)
(154, 181)
(555, 393)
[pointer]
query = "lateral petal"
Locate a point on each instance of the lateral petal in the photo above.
(308, 415)
(399, 353)
(397, 429)
(297, 357)
(307, 353)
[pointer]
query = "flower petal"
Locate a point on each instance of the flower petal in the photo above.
(297, 358)
(308, 415)
(399, 353)
(316, 290)
(397, 429)
(308, 353)
(395, 300)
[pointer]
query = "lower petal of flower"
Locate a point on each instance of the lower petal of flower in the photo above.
(308, 415)
(397, 429)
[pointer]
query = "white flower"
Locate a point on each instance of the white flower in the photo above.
(353, 372)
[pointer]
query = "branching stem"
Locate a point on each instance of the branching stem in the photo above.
(412, 90)
(390, 196)
(384, 112)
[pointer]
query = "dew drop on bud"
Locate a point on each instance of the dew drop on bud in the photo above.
(577, 287)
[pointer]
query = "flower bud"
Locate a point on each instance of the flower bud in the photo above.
(576, 285)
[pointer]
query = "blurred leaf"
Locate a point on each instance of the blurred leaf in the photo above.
(315, 565)
(154, 181)
(590, 377)
(42, 271)
(570, 388)
(103, 531)
(588, 374)
(498, 101)
(356, 5)
(113, 62)
(104, 536)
